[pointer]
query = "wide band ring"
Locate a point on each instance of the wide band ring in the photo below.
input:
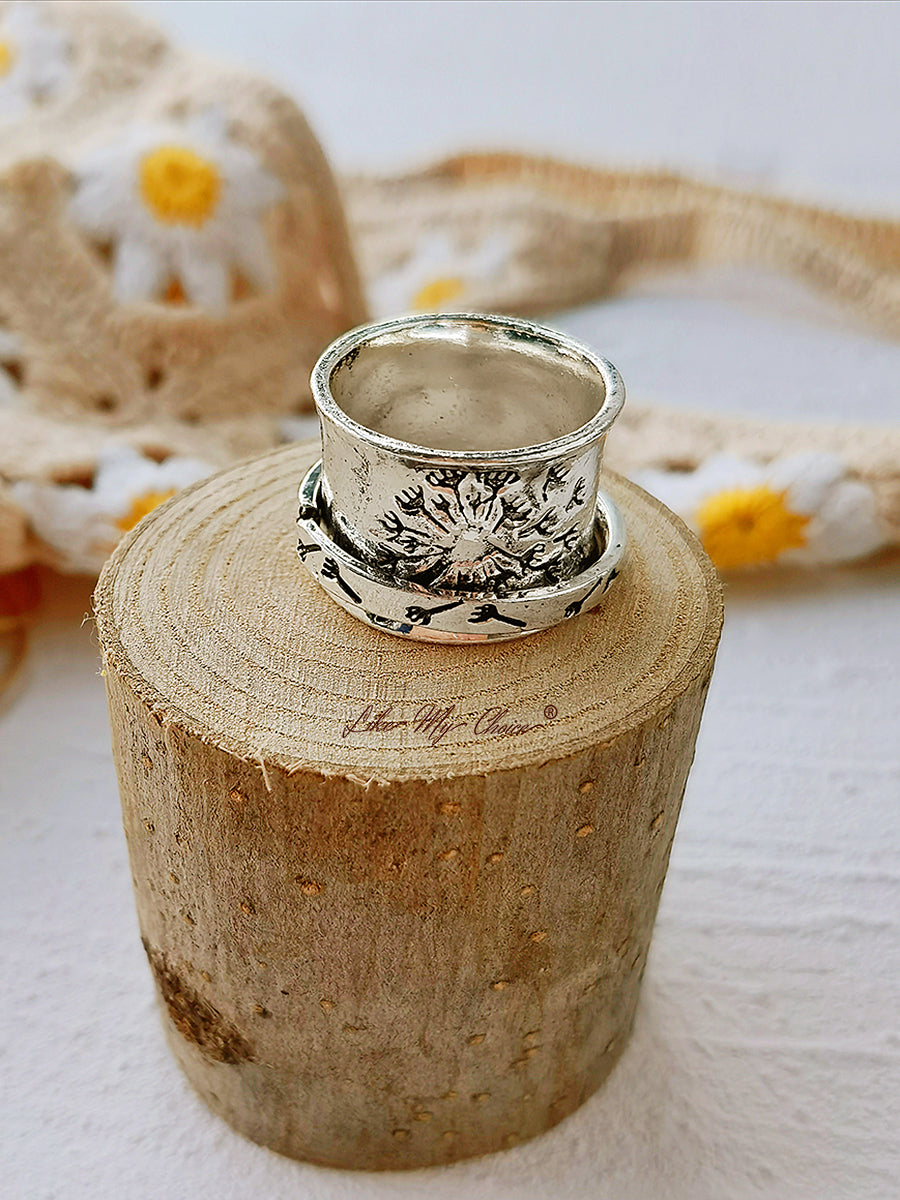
(409, 611)
(457, 498)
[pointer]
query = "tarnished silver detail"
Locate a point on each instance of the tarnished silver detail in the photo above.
(461, 463)
(410, 611)
(476, 530)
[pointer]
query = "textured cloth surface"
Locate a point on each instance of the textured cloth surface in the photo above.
(174, 255)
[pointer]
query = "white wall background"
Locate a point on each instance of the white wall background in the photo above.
(799, 94)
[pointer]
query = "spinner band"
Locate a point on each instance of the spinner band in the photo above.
(457, 497)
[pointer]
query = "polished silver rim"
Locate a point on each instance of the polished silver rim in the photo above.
(512, 331)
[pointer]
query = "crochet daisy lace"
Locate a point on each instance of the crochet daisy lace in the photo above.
(176, 254)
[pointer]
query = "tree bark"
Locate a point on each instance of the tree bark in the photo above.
(397, 897)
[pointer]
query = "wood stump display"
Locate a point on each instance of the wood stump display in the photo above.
(397, 897)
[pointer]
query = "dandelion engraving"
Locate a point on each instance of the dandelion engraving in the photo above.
(473, 529)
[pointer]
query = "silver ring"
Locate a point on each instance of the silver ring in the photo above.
(457, 497)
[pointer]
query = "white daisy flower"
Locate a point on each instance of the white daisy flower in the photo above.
(803, 508)
(34, 58)
(182, 204)
(83, 525)
(440, 274)
(10, 359)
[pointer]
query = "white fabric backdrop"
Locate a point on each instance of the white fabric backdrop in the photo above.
(766, 1056)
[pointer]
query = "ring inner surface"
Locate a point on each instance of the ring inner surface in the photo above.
(467, 388)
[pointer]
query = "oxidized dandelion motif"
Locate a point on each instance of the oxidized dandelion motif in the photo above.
(469, 529)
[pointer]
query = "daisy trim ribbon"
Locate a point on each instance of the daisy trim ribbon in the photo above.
(803, 508)
(182, 205)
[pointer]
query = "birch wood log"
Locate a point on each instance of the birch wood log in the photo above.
(397, 898)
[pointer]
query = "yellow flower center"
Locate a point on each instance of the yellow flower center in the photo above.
(745, 526)
(438, 292)
(174, 293)
(7, 57)
(179, 186)
(140, 506)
